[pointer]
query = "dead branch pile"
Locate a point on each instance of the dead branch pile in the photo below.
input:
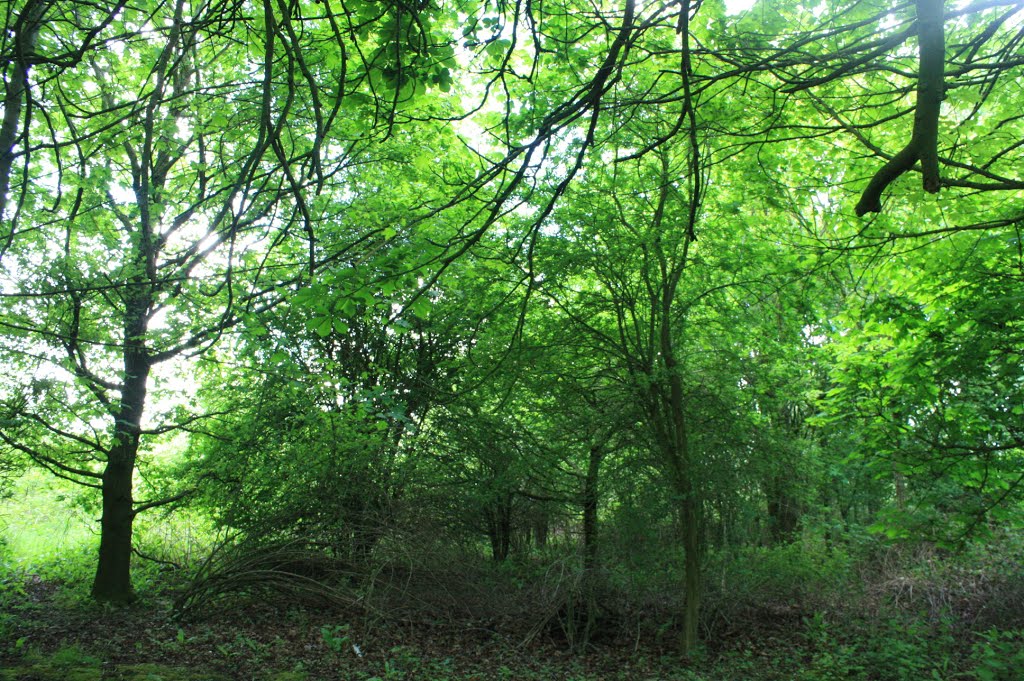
(294, 569)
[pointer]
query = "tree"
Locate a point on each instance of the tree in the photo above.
(178, 150)
(199, 169)
(914, 86)
(927, 367)
(184, 184)
(323, 400)
(631, 236)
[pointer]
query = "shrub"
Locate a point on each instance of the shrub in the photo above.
(999, 656)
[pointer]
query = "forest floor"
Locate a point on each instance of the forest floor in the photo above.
(925, 618)
(48, 633)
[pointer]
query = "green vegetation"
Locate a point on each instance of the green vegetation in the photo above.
(451, 340)
(795, 611)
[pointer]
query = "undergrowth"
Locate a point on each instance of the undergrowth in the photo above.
(800, 612)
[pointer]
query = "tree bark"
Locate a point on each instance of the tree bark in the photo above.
(113, 581)
(590, 503)
(26, 29)
(693, 583)
(924, 139)
(591, 499)
(783, 510)
(540, 531)
(677, 452)
(499, 528)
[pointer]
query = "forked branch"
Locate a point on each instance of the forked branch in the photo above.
(924, 139)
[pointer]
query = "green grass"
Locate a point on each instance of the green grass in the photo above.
(51, 528)
(44, 522)
(72, 664)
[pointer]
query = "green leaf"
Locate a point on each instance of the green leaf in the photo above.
(496, 49)
(322, 326)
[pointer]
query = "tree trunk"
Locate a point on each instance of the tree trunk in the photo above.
(677, 452)
(675, 449)
(590, 499)
(783, 511)
(900, 484)
(26, 31)
(113, 580)
(499, 528)
(692, 583)
(540, 531)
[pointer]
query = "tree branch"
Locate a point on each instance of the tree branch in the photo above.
(156, 503)
(924, 140)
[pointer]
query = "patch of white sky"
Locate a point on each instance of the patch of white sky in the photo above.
(737, 6)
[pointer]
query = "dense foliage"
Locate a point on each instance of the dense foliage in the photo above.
(645, 291)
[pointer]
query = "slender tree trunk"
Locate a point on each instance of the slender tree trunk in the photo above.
(693, 583)
(590, 502)
(505, 527)
(26, 30)
(499, 528)
(679, 456)
(783, 510)
(591, 497)
(675, 449)
(492, 534)
(540, 531)
(900, 483)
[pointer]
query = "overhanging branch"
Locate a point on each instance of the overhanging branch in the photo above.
(924, 140)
